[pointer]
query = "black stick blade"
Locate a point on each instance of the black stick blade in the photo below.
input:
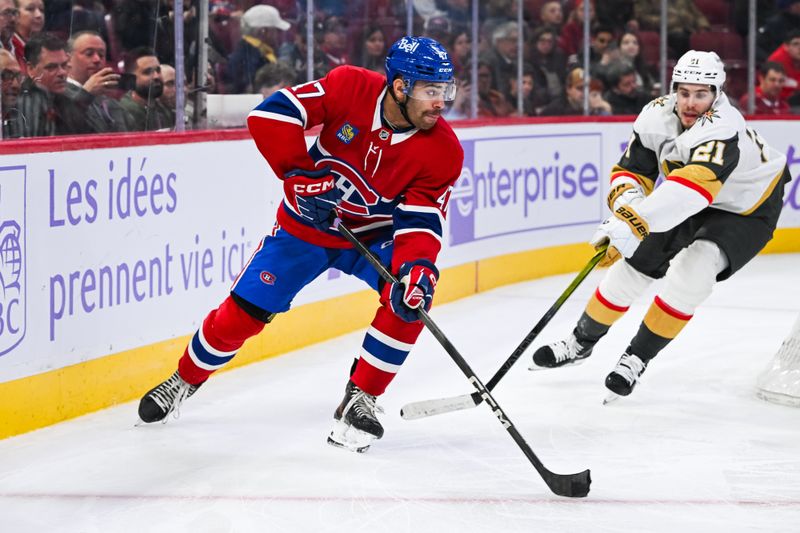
(570, 485)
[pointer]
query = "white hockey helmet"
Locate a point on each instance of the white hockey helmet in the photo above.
(703, 68)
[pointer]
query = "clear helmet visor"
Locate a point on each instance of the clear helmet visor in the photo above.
(433, 90)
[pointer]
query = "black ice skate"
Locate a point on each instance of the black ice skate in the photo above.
(567, 352)
(355, 424)
(164, 399)
(625, 376)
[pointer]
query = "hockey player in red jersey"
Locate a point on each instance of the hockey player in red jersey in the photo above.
(386, 161)
(715, 210)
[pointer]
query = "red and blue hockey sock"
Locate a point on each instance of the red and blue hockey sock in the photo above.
(216, 342)
(386, 346)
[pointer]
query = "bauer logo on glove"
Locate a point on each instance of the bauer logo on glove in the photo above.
(637, 225)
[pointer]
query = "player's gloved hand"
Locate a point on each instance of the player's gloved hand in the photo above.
(624, 194)
(414, 290)
(312, 194)
(623, 231)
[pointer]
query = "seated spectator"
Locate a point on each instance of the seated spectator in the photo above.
(788, 55)
(437, 28)
(625, 96)
(777, 27)
(273, 77)
(491, 102)
(549, 62)
(630, 50)
(11, 76)
(9, 40)
(460, 49)
(373, 50)
(598, 106)
(260, 26)
(571, 37)
(502, 57)
(333, 45)
(92, 84)
(295, 52)
(768, 98)
(44, 109)
(551, 14)
(169, 95)
(683, 19)
(600, 52)
(31, 19)
(571, 101)
(141, 103)
(532, 100)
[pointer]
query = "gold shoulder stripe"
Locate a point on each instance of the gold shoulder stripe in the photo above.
(700, 176)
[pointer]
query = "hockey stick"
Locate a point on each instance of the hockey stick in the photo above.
(570, 485)
(425, 408)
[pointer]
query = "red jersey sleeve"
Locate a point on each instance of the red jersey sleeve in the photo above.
(419, 218)
(278, 124)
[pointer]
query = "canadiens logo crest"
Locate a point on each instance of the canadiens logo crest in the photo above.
(346, 133)
(268, 277)
(708, 116)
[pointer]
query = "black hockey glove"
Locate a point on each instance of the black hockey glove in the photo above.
(312, 194)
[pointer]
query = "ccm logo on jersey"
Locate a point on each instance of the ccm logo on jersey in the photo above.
(310, 189)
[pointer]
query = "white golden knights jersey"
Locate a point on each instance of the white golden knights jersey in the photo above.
(719, 157)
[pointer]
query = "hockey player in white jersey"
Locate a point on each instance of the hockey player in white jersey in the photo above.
(716, 208)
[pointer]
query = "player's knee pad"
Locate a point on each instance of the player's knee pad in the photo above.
(230, 325)
(692, 274)
(623, 284)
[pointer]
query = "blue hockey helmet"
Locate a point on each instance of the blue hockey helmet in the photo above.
(416, 59)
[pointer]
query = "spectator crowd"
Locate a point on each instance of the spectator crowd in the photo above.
(102, 66)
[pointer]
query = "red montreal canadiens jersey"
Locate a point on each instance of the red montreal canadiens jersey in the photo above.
(393, 183)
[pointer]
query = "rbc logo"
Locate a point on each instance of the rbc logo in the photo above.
(12, 257)
(346, 133)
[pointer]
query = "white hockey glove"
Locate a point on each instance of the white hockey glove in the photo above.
(623, 231)
(624, 194)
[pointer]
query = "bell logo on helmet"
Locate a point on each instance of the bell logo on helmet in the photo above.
(409, 46)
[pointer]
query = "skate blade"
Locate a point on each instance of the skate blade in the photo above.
(535, 368)
(348, 447)
(345, 436)
(612, 397)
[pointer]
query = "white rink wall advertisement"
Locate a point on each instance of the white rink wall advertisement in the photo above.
(111, 249)
(108, 250)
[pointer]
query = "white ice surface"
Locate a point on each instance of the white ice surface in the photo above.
(691, 450)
